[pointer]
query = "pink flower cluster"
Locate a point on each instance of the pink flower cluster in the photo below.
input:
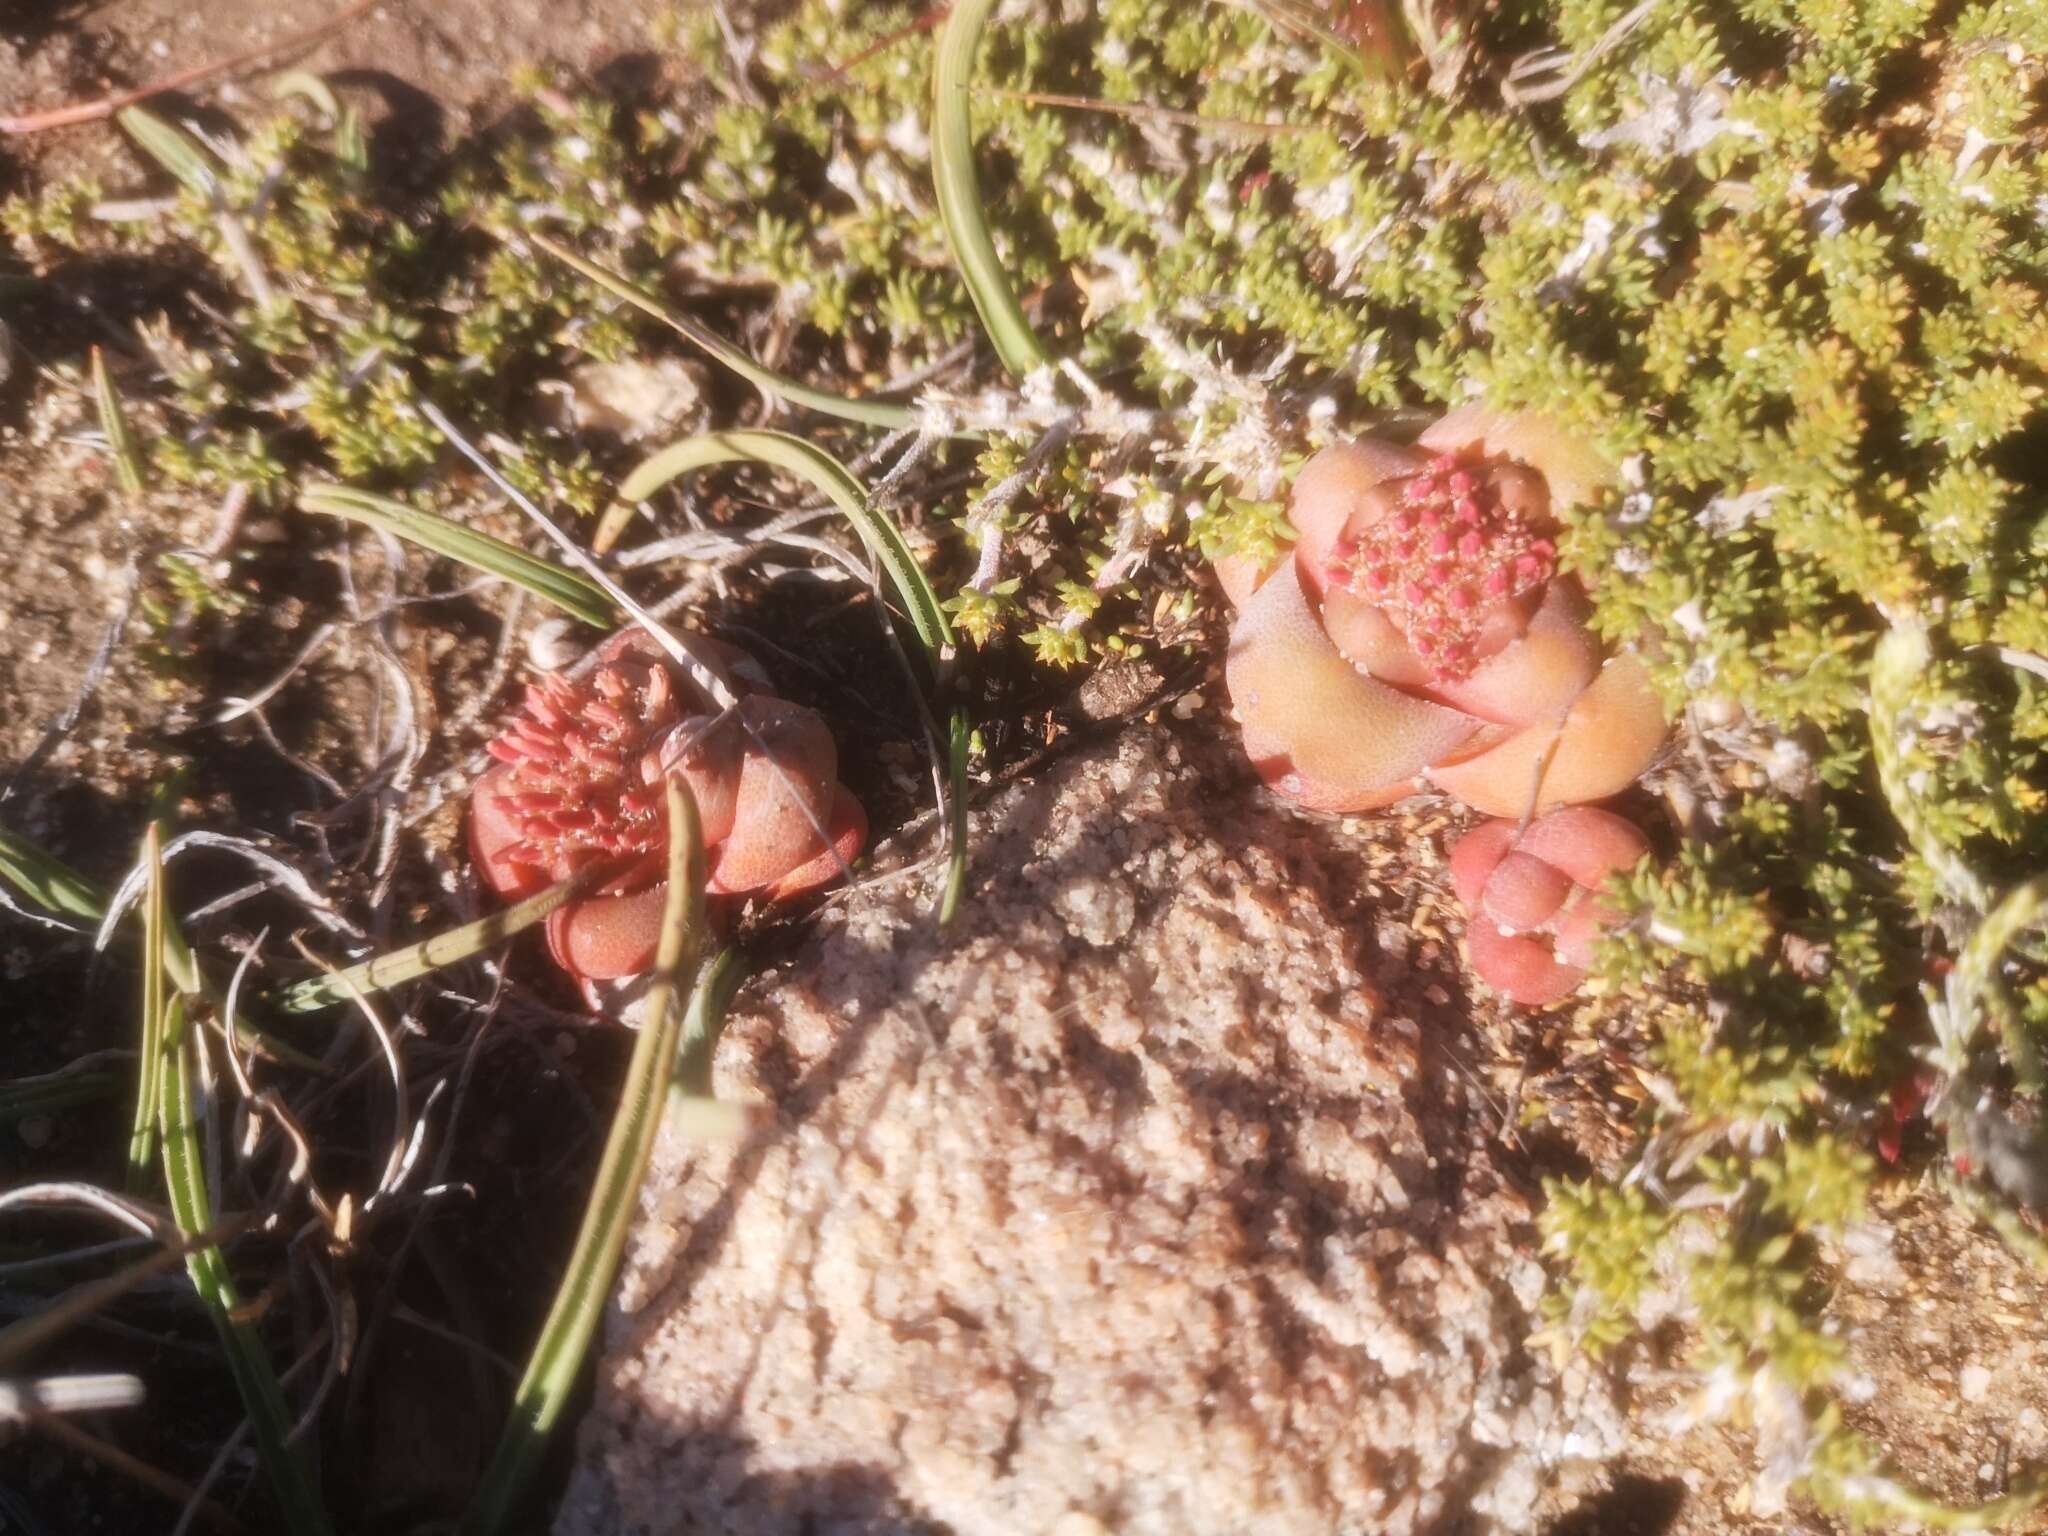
(578, 786)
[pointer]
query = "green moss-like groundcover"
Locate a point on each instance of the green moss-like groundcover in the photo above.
(1784, 262)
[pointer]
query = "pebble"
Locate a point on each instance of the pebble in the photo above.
(1974, 1384)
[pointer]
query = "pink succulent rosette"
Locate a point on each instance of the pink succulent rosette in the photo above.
(579, 784)
(1420, 631)
(1533, 911)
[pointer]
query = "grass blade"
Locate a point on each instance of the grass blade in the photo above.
(60, 890)
(50, 883)
(191, 1207)
(575, 594)
(170, 148)
(782, 451)
(114, 422)
(693, 1110)
(956, 819)
(702, 1024)
(959, 192)
(43, 1095)
(579, 1300)
(21, 1339)
(873, 413)
(415, 960)
(142, 1133)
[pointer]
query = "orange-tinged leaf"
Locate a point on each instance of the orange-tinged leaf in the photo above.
(1336, 486)
(1606, 741)
(1574, 471)
(1298, 697)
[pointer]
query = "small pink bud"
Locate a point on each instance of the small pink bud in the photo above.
(1461, 484)
(1470, 545)
(1405, 521)
(1468, 510)
(1462, 597)
(1422, 488)
(1441, 542)
(1497, 583)
(1415, 592)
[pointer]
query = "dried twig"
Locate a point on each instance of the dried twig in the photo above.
(107, 106)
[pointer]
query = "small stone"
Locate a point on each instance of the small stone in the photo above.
(1974, 1384)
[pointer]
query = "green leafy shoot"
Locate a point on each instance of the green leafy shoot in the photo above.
(959, 193)
(873, 413)
(575, 594)
(416, 960)
(544, 1391)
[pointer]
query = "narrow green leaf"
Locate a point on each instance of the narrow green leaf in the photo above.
(61, 891)
(191, 1207)
(798, 457)
(415, 960)
(149, 1059)
(303, 82)
(114, 422)
(572, 592)
(49, 883)
(956, 815)
(716, 984)
(873, 413)
(20, 1339)
(550, 1378)
(54, 1091)
(959, 192)
(170, 148)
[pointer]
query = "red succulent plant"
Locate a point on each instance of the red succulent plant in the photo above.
(1530, 897)
(1420, 629)
(578, 787)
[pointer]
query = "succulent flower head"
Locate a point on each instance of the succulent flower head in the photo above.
(578, 788)
(583, 767)
(1449, 552)
(1420, 630)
